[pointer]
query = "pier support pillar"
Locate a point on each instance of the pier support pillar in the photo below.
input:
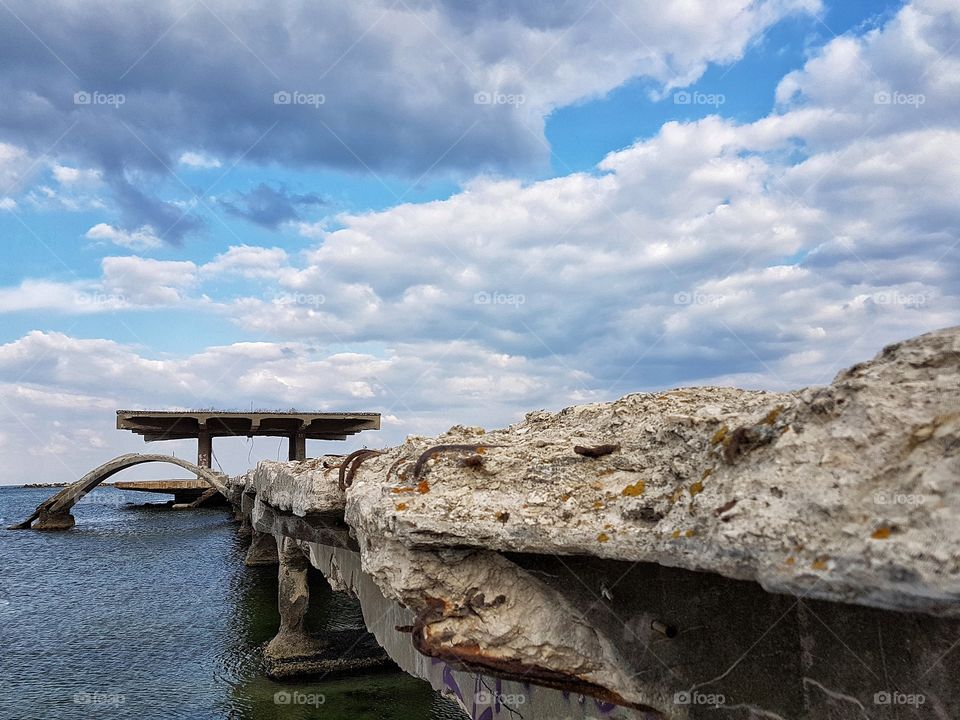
(297, 447)
(204, 447)
(292, 640)
(263, 549)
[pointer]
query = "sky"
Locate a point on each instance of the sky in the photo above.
(452, 212)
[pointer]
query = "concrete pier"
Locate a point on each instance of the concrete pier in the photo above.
(696, 553)
(184, 492)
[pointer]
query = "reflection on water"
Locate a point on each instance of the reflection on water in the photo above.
(141, 612)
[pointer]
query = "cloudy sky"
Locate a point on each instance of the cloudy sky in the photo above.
(456, 212)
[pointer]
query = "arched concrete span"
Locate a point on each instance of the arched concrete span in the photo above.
(54, 512)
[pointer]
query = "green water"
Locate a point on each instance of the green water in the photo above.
(140, 612)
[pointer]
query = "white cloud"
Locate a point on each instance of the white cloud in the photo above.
(145, 281)
(143, 239)
(247, 261)
(199, 160)
(75, 176)
(706, 253)
(7, 203)
(15, 164)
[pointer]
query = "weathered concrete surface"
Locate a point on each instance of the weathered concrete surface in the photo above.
(536, 554)
(292, 640)
(298, 487)
(262, 550)
(849, 492)
(582, 623)
(54, 512)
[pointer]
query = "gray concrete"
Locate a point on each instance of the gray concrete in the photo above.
(54, 513)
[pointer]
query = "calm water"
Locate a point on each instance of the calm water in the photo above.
(140, 612)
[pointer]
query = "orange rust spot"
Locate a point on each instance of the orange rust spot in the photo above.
(597, 505)
(719, 436)
(636, 489)
(401, 506)
(691, 533)
(820, 563)
(480, 450)
(607, 526)
(401, 490)
(706, 473)
(790, 561)
(602, 537)
(675, 534)
(881, 533)
(565, 497)
(423, 487)
(696, 488)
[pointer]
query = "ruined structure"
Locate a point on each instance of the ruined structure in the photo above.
(702, 552)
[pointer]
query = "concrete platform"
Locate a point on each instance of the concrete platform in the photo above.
(185, 492)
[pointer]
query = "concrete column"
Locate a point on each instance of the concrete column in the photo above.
(297, 448)
(204, 447)
(293, 599)
(263, 549)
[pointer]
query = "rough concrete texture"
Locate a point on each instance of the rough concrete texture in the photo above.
(293, 598)
(262, 550)
(589, 626)
(308, 486)
(848, 492)
(478, 609)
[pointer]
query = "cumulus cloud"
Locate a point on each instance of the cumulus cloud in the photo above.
(308, 84)
(771, 253)
(144, 238)
(249, 262)
(707, 245)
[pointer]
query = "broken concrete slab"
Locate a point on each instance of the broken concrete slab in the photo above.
(849, 492)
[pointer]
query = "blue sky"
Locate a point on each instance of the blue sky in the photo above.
(463, 212)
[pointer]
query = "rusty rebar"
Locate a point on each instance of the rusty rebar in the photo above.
(350, 464)
(595, 451)
(430, 452)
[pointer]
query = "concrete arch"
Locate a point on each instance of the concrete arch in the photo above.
(54, 512)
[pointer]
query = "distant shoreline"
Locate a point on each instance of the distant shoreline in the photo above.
(52, 485)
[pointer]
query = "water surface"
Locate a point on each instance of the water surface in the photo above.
(144, 612)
